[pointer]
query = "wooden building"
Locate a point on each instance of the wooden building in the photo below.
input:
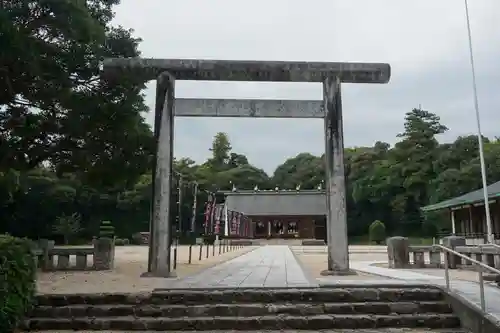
(281, 214)
(467, 214)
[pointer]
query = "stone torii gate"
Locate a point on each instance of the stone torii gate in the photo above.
(331, 75)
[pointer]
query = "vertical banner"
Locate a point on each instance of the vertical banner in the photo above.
(233, 223)
(218, 213)
(247, 227)
(206, 215)
(238, 224)
(211, 221)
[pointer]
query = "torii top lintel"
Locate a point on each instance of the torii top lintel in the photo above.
(242, 70)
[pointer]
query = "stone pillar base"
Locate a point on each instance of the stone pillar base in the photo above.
(347, 272)
(171, 275)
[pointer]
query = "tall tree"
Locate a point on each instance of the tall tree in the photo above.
(54, 108)
(221, 149)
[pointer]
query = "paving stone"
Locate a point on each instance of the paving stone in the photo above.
(268, 266)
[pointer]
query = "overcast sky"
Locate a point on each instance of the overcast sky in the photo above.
(425, 41)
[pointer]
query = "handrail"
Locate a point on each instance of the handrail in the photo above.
(490, 244)
(480, 266)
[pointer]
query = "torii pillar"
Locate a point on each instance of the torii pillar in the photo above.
(166, 71)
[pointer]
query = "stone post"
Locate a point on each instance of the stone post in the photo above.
(452, 242)
(160, 226)
(398, 252)
(419, 259)
(103, 254)
(336, 219)
(46, 246)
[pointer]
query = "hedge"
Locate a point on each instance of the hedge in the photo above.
(17, 281)
(376, 232)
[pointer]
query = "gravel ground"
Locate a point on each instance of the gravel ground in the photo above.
(130, 263)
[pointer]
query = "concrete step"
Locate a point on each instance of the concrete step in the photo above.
(374, 330)
(226, 296)
(239, 310)
(275, 322)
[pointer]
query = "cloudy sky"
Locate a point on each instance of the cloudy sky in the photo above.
(425, 41)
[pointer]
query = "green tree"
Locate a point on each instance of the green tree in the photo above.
(304, 170)
(54, 108)
(221, 149)
(106, 229)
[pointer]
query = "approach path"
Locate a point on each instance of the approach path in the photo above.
(272, 266)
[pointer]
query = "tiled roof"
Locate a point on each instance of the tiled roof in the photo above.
(291, 203)
(466, 199)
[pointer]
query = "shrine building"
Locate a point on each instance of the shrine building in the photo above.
(468, 216)
(281, 213)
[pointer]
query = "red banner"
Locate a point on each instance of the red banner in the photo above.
(238, 224)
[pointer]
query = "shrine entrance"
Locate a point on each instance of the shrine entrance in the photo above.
(281, 214)
(331, 75)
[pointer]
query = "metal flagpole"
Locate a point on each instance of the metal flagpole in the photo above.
(195, 203)
(490, 236)
(180, 226)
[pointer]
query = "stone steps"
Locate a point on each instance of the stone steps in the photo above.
(245, 323)
(261, 295)
(375, 330)
(246, 310)
(239, 310)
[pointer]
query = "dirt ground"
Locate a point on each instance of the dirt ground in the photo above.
(130, 263)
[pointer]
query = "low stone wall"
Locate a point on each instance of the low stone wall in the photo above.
(313, 242)
(403, 255)
(242, 242)
(51, 258)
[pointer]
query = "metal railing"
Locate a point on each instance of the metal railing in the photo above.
(479, 266)
(490, 245)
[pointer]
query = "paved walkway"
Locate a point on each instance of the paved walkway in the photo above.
(467, 289)
(271, 266)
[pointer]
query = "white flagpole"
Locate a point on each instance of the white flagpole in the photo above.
(226, 224)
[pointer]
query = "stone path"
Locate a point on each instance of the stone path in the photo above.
(272, 266)
(466, 289)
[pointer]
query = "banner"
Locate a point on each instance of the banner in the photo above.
(211, 220)
(238, 224)
(218, 217)
(233, 222)
(206, 215)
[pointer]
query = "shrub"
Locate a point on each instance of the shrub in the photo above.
(208, 239)
(106, 229)
(119, 242)
(17, 281)
(126, 241)
(137, 239)
(377, 232)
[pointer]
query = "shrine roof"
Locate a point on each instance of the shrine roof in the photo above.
(466, 199)
(284, 203)
(245, 70)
